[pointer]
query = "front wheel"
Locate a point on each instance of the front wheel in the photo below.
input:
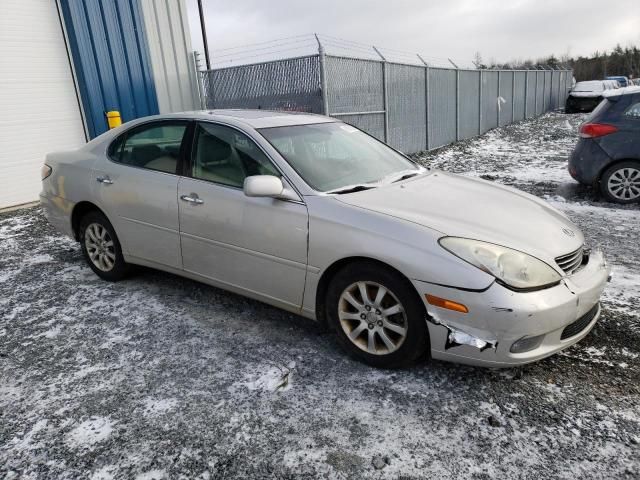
(620, 183)
(377, 315)
(101, 248)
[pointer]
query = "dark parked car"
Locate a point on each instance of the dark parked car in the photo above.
(607, 155)
(585, 96)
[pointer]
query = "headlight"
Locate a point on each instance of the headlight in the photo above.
(511, 267)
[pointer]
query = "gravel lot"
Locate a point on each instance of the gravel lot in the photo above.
(162, 377)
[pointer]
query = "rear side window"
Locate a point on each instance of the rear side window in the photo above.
(602, 106)
(633, 111)
(154, 146)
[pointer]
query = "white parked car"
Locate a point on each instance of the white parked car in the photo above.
(316, 217)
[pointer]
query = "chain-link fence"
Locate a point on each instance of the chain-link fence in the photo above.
(411, 107)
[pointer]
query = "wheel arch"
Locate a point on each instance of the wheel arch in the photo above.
(614, 163)
(330, 272)
(80, 209)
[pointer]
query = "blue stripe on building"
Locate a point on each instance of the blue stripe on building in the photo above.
(111, 60)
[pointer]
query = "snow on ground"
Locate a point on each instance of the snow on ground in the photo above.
(162, 377)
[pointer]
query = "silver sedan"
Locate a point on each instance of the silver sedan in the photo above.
(316, 217)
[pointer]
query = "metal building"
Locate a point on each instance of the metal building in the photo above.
(65, 63)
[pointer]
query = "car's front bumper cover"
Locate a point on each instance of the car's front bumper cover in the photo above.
(498, 317)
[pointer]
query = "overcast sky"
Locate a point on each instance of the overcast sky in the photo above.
(498, 29)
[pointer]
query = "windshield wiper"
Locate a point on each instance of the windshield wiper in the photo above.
(398, 176)
(404, 177)
(351, 189)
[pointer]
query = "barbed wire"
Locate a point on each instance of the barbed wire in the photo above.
(276, 49)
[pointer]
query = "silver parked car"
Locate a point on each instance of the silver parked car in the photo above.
(316, 217)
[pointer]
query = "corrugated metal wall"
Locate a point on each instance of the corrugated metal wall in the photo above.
(291, 84)
(442, 107)
(111, 60)
(469, 104)
(410, 107)
(489, 101)
(355, 86)
(506, 98)
(540, 93)
(530, 110)
(407, 104)
(170, 52)
(519, 98)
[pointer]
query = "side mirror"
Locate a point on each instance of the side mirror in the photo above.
(268, 186)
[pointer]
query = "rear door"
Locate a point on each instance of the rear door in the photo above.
(624, 114)
(137, 187)
(258, 245)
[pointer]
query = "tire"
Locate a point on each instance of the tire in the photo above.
(406, 330)
(620, 183)
(98, 239)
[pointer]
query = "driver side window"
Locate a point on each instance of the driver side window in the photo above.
(226, 156)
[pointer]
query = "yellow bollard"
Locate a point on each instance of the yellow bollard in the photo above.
(114, 119)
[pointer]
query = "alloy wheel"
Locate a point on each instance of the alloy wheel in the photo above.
(100, 246)
(624, 184)
(372, 317)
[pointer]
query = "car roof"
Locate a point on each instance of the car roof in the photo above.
(622, 91)
(254, 118)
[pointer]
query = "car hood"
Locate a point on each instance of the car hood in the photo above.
(473, 208)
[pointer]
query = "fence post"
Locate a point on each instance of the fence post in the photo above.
(480, 104)
(526, 91)
(513, 97)
(323, 76)
(535, 97)
(499, 105)
(457, 104)
(385, 99)
(560, 99)
(199, 80)
(427, 101)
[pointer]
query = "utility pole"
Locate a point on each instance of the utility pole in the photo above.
(204, 36)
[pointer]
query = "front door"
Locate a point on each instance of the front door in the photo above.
(137, 187)
(258, 245)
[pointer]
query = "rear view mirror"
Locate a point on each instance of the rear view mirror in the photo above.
(263, 186)
(267, 186)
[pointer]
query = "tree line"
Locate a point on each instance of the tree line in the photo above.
(620, 61)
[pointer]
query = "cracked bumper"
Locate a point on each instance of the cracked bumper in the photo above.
(502, 317)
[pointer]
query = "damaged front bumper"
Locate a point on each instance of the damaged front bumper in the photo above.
(506, 328)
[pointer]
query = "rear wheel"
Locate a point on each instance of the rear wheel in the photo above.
(377, 316)
(101, 248)
(620, 183)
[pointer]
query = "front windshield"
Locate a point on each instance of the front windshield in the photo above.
(331, 156)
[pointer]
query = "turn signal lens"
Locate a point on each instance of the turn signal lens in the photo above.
(448, 304)
(45, 171)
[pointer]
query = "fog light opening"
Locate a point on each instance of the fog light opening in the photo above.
(526, 344)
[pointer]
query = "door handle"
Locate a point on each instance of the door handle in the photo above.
(192, 198)
(106, 180)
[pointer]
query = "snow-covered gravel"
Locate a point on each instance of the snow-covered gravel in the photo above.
(162, 377)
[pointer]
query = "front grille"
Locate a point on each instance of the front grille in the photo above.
(571, 262)
(579, 325)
